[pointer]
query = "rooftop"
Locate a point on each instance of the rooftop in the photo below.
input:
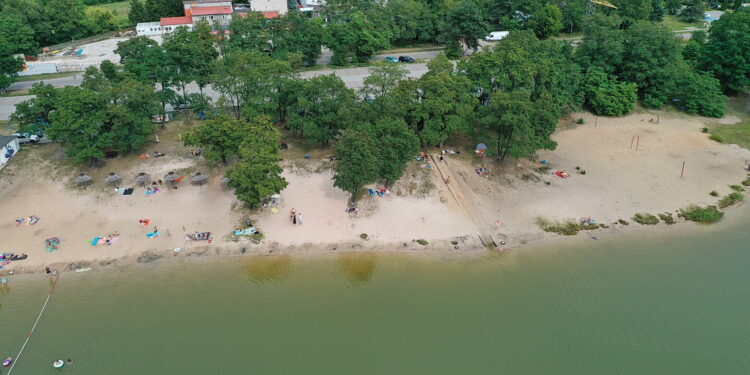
(4, 140)
(171, 21)
(204, 11)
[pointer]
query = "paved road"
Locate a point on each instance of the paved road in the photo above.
(352, 77)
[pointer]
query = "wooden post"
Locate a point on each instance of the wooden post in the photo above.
(631, 142)
(683, 170)
(657, 119)
(637, 142)
(596, 120)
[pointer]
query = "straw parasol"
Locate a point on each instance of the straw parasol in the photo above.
(171, 177)
(112, 178)
(142, 178)
(199, 178)
(82, 179)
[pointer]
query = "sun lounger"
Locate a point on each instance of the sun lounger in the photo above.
(246, 231)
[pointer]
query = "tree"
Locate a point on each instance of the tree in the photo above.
(573, 13)
(258, 175)
(320, 111)
(33, 115)
(727, 53)
(192, 53)
(149, 63)
(219, 137)
(657, 11)
(395, 145)
(99, 20)
(441, 101)
(9, 65)
(699, 93)
(650, 60)
(463, 27)
(384, 77)
(358, 163)
(16, 36)
(693, 49)
(673, 6)
(296, 33)
(137, 12)
(77, 124)
(134, 48)
(602, 45)
(606, 96)
(163, 8)
(547, 21)
(413, 20)
(356, 39)
(62, 20)
(693, 12)
(248, 33)
(631, 11)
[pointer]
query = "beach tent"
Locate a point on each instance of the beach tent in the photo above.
(481, 149)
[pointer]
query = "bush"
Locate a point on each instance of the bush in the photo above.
(705, 215)
(364, 236)
(623, 222)
(736, 188)
(704, 130)
(580, 121)
(256, 237)
(746, 182)
(543, 170)
(567, 228)
(699, 93)
(714, 193)
(646, 219)
(422, 242)
(717, 138)
(606, 96)
(731, 199)
(667, 218)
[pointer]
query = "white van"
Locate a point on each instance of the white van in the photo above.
(496, 35)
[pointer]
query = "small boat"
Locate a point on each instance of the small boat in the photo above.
(7, 361)
(59, 363)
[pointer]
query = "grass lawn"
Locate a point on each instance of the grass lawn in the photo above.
(738, 133)
(673, 23)
(36, 77)
(119, 10)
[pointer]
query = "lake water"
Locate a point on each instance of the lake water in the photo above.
(677, 303)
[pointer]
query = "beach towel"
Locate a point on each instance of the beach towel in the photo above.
(120, 191)
(562, 174)
(128, 191)
(178, 179)
(95, 241)
(372, 192)
(246, 231)
(152, 235)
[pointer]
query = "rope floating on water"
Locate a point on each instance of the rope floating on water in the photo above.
(15, 361)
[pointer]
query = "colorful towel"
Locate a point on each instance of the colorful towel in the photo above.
(247, 231)
(95, 241)
(128, 191)
(153, 234)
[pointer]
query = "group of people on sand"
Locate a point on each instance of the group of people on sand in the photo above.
(295, 217)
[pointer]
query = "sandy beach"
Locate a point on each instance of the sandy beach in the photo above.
(457, 216)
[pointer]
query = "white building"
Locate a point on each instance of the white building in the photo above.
(8, 148)
(148, 28)
(269, 6)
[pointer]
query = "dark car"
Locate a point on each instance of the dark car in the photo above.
(405, 59)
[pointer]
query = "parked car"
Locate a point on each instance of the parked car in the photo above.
(496, 35)
(27, 138)
(405, 59)
(391, 59)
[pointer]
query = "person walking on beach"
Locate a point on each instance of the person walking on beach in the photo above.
(294, 219)
(299, 218)
(155, 230)
(47, 269)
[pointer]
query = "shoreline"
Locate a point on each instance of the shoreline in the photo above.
(467, 247)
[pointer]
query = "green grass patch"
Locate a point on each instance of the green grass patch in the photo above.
(673, 23)
(736, 188)
(738, 134)
(623, 222)
(567, 228)
(119, 11)
(38, 77)
(422, 242)
(667, 218)
(731, 199)
(646, 219)
(705, 215)
(746, 182)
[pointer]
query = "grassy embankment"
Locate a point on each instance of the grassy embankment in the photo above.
(739, 133)
(119, 10)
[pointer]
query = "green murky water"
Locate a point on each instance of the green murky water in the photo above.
(636, 304)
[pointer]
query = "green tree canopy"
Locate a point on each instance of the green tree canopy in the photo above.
(547, 21)
(358, 162)
(464, 26)
(356, 39)
(727, 53)
(320, 111)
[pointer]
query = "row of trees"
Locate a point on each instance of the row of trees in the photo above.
(110, 111)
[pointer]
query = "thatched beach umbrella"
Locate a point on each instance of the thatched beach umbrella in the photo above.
(142, 178)
(225, 180)
(82, 179)
(171, 177)
(112, 178)
(199, 178)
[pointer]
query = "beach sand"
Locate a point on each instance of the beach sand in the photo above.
(619, 182)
